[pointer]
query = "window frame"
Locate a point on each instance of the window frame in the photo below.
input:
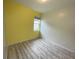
(37, 21)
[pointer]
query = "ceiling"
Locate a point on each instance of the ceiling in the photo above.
(40, 6)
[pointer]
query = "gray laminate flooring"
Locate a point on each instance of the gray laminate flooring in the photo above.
(38, 49)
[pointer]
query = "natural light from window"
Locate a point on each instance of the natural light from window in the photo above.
(36, 24)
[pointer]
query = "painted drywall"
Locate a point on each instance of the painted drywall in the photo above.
(43, 7)
(58, 26)
(19, 21)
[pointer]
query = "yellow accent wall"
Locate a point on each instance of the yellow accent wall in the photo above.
(18, 22)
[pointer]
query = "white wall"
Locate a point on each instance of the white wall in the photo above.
(58, 26)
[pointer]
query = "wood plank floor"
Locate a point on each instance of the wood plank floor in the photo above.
(38, 49)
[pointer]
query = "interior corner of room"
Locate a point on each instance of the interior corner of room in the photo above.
(54, 19)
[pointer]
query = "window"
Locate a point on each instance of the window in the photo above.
(37, 24)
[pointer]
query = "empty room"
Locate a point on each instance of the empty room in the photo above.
(39, 29)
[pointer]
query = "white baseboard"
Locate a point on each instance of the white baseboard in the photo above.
(22, 41)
